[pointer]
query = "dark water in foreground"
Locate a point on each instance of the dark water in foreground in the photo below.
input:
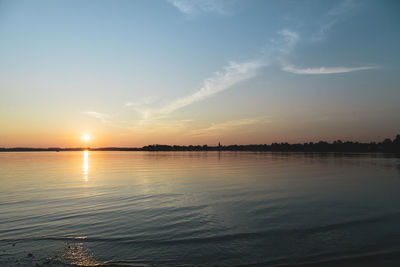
(199, 208)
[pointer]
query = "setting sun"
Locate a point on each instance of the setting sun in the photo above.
(86, 137)
(200, 133)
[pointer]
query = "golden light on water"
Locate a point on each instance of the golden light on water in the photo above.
(85, 165)
(78, 255)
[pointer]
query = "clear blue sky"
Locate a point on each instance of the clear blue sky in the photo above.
(132, 73)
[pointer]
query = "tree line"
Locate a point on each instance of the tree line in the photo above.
(386, 146)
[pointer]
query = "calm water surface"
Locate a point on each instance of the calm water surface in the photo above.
(198, 208)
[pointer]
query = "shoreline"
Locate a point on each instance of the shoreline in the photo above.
(226, 150)
(386, 146)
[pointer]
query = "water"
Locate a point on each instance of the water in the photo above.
(198, 208)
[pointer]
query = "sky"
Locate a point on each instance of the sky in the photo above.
(138, 72)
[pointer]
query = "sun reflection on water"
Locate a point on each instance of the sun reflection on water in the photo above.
(78, 254)
(85, 165)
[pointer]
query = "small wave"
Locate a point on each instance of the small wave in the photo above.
(383, 258)
(216, 238)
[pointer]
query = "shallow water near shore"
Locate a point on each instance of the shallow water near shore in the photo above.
(198, 208)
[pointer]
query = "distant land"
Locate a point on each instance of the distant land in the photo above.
(386, 146)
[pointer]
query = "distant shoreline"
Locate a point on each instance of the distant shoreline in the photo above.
(386, 146)
(141, 150)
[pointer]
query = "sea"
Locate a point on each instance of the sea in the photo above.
(94, 208)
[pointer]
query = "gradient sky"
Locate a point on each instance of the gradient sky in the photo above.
(132, 73)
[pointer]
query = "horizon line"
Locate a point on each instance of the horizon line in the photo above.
(282, 145)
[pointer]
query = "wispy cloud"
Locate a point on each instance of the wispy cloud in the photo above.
(325, 70)
(290, 39)
(217, 128)
(333, 17)
(279, 49)
(141, 105)
(101, 116)
(110, 120)
(141, 102)
(232, 74)
(342, 8)
(192, 7)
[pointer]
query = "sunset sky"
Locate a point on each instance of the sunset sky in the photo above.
(132, 73)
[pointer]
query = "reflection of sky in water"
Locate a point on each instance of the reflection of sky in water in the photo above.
(85, 165)
(165, 207)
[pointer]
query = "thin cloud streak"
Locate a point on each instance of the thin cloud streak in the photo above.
(276, 52)
(233, 74)
(333, 17)
(324, 70)
(192, 7)
(101, 116)
(342, 8)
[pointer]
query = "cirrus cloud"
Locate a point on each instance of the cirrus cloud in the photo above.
(325, 70)
(192, 7)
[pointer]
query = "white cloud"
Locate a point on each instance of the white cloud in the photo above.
(324, 70)
(233, 74)
(191, 7)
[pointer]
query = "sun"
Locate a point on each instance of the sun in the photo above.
(86, 137)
